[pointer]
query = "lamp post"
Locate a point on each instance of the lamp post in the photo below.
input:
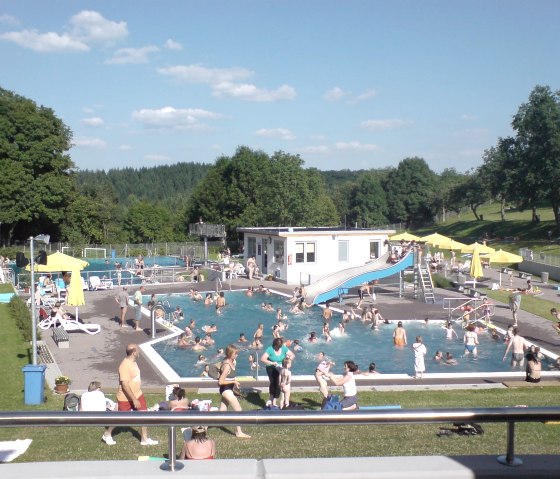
(45, 239)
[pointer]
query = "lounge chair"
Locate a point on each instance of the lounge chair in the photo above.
(47, 322)
(96, 283)
(73, 326)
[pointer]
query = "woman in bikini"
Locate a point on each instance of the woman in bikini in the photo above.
(227, 383)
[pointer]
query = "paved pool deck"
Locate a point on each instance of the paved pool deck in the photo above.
(96, 357)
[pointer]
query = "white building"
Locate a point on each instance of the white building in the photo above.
(304, 255)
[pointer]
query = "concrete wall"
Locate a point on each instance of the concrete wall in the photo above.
(537, 268)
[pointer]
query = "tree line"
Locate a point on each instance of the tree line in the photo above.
(44, 192)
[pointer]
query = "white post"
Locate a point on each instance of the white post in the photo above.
(33, 309)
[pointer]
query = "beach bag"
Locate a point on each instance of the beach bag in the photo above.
(71, 402)
(214, 370)
(332, 404)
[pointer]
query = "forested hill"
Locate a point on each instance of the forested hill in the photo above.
(169, 184)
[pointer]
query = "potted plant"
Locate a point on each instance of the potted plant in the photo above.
(61, 384)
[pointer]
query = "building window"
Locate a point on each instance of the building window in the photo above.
(278, 251)
(343, 251)
(251, 247)
(374, 249)
(305, 252)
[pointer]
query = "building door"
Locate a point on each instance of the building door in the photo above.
(374, 249)
(264, 257)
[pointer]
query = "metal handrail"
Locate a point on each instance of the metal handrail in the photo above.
(506, 415)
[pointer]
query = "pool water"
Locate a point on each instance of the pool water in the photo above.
(105, 267)
(361, 344)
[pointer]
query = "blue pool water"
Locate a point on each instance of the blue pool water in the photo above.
(361, 344)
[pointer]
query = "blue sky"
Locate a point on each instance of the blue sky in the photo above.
(344, 84)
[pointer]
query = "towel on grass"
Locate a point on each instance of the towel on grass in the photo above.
(9, 450)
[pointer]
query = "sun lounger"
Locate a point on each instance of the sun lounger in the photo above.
(72, 326)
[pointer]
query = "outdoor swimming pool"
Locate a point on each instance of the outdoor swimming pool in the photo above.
(361, 344)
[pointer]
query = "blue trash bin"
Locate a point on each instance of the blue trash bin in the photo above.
(34, 383)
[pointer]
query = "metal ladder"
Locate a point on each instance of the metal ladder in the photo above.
(426, 284)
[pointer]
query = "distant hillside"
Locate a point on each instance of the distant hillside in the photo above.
(169, 184)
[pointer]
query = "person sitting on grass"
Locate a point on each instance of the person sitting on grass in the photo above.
(199, 446)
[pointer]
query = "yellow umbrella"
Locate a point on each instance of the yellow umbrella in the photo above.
(434, 239)
(451, 244)
(502, 256)
(60, 262)
(404, 236)
(482, 248)
(476, 267)
(75, 295)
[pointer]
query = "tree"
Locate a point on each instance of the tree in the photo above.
(500, 172)
(147, 222)
(471, 192)
(36, 169)
(253, 188)
(445, 201)
(410, 190)
(537, 126)
(368, 205)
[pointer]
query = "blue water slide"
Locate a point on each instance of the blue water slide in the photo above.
(329, 286)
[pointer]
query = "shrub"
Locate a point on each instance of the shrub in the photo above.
(22, 316)
(441, 281)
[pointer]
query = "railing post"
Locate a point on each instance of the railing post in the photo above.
(171, 464)
(509, 459)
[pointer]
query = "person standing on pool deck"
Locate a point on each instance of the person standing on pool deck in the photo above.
(399, 335)
(272, 358)
(138, 306)
(122, 300)
(420, 351)
(515, 304)
(129, 395)
(519, 346)
(228, 383)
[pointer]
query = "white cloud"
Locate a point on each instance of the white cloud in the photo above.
(312, 150)
(171, 44)
(157, 158)
(383, 124)
(225, 82)
(85, 142)
(335, 94)
(199, 74)
(172, 118)
(467, 117)
(8, 19)
(93, 121)
(92, 28)
(249, 92)
(355, 146)
(45, 42)
(125, 147)
(281, 133)
(85, 30)
(132, 55)
(364, 96)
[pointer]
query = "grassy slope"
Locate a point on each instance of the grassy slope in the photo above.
(518, 225)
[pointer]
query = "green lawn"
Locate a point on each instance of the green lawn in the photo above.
(73, 443)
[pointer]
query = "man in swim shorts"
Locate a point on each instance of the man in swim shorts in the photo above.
(518, 347)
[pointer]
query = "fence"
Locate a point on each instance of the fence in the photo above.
(507, 415)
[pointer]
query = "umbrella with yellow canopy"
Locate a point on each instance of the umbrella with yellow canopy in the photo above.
(482, 248)
(404, 236)
(451, 244)
(476, 267)
(75, 295)
(503, 257)
(434, 239)
(60, 262)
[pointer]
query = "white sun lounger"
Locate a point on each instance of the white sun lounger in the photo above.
(72, 326)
